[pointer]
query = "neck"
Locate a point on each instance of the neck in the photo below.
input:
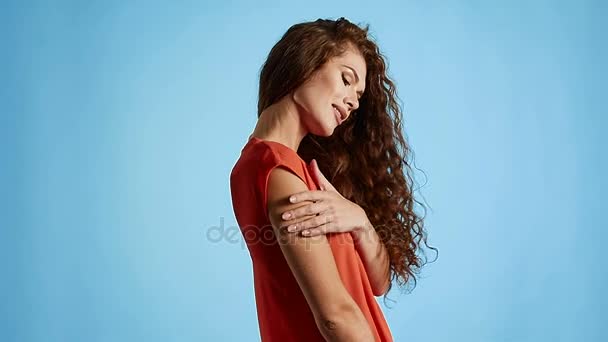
(281, 123)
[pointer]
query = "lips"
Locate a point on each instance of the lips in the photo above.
(340, 114)
(337, 115)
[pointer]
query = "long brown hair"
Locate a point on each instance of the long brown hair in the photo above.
(366, 158)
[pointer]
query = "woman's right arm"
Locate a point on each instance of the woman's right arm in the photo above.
(311, 260)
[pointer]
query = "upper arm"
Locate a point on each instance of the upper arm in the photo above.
(310, 258)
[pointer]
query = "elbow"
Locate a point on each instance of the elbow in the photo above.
(381, 289)
(346, 324)
(379, 293)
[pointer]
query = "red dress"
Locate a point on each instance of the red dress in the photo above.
(283, 313)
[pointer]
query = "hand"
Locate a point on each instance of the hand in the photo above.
(334, 213)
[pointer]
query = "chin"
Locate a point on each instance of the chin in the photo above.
(331, 130)
(324, 133)
(325, 129)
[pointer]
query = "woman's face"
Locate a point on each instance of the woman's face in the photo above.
(332, 93)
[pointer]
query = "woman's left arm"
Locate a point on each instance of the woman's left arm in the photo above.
(374, 256)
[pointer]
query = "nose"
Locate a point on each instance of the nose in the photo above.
(352, 104)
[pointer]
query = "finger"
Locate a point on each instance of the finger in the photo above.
(322, 229)
(310, 223)
(310, 209)
(324, 184)
(287, 224)
(319, 176)
(311, 195)
(298, 222)
(314, 167)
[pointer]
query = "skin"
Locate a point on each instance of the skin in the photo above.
(332, 213)
(341, 81)
(309, 108)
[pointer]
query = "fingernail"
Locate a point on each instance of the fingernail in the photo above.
(291, 228)
(292, 199)
(306, 232)
(286, 215)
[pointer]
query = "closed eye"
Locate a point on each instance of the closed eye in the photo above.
(345, 81)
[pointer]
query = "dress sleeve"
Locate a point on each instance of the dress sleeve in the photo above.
(270, 160)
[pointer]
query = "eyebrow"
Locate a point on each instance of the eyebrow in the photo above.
(360, 93)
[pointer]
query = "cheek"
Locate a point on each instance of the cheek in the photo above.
(310, 99)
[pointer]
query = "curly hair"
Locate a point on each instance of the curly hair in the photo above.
(366, 158)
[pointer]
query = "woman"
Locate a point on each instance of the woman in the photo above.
(322, 249)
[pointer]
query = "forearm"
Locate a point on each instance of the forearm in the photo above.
(349, 325)
(374, 256)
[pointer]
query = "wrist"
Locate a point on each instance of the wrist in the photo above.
(362, 230)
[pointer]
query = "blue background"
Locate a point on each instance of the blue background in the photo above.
(121, 120)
